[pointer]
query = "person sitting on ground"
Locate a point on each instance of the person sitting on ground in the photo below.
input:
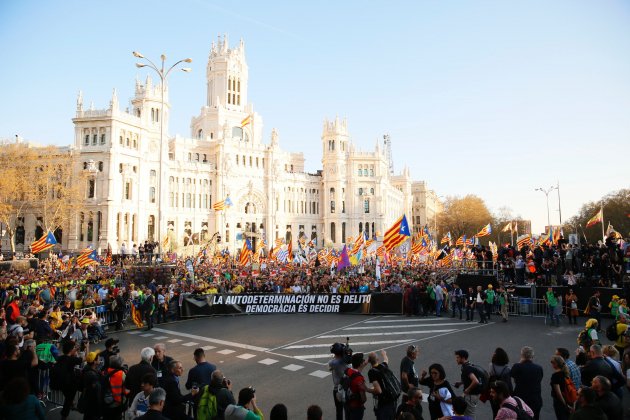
(246, 409)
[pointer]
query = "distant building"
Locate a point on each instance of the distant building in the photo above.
(272, 195)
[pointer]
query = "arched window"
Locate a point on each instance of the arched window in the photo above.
(343, 231)
(200, 134)
(333, 234)
(152, 194)
(360, 226)
(152, 114)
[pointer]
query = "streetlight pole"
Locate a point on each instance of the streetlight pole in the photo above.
(546, 192)
(163, 77)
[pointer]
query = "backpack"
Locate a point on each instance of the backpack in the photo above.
(107, 393)
(569, 393)
(521, 414)
(345, 394)
(207, 408)
(611, 332)
(391, 388)
(584, 339)
(482, 377)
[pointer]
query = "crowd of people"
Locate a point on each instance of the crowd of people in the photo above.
(51, 315)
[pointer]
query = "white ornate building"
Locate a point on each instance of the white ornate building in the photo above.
(271, 192)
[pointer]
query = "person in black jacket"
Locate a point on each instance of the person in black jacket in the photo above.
(136, 372)
(91, 397)
(596, 365)
(527, 379)
(147, 309)
(157, 401)
(174, 407)
(120, 310)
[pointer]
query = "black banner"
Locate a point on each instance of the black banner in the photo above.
(225, 304)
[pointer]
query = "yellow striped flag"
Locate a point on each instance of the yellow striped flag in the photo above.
(397, 234)
(136, 316)
(42, 244)
(485, 231)
(247, 120)
(599, 217)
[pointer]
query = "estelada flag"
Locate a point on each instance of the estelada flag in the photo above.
(598, 218)
(397, 234)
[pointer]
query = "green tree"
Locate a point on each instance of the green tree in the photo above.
(465, 215)
(616, 211)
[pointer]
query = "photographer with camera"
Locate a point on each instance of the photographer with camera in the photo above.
(111, 349)
(337, 367)
(246, 408)
(220, 388)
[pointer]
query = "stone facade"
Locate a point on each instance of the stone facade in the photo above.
(269, 188)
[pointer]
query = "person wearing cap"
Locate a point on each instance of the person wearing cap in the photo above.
(80, 334)
(621, 343)
(409, 378)
(109, 351)
(246, 408)
(91, 397)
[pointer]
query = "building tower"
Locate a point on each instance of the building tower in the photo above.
(227, 74)
(387, 143)
(335, 143)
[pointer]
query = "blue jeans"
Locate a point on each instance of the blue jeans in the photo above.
(438, 307)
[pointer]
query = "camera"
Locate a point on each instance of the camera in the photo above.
(344, 350)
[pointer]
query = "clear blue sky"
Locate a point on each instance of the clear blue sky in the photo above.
(492, 98)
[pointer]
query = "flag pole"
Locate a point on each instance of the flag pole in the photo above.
(601, 209)
(511, 232)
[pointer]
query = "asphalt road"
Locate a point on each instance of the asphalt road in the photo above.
(285, 356)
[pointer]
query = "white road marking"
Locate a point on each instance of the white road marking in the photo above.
(147, 335)
(387, 333)
(354, 343)
(246, 356)
(208, 347)
(320, 373)
(212, 340)
(314, 336)
(226, 351)
(268, 361)
(162, 337)
(380, 321)
(293, 368)
(189, 344)
(134, 332)
(314, 356)
(374, 327)
(174, 340)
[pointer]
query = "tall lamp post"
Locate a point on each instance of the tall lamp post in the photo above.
(546, 192)
(163, 73)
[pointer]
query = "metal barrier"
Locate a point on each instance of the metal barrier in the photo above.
(525, 306)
